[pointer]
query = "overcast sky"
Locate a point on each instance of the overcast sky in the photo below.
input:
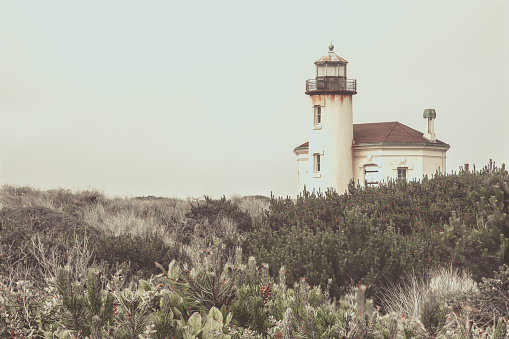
(186, 98)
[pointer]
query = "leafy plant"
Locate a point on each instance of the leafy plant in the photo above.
(85, 312)
(210, 281)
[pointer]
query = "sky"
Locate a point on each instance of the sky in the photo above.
(192, 98)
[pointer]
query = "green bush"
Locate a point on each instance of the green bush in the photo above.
(86, 312)
(215, 209)
(374, 235)
(139, 251)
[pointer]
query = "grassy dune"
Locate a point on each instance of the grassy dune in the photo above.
(416, 259)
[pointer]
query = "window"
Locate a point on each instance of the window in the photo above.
(316, 163)
(342, 70)
(321, 70)
(371, 175)
(318, 114)
(402, 173)
(332, 70)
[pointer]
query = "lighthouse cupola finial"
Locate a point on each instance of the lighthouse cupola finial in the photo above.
(331, 47)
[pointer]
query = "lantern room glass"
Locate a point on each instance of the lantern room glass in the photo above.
(330, 70)
(320, 70)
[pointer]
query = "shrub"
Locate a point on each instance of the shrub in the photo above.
(215, 210)
(494, 298)
(139, 251)
(85, 312)
(44, 220)
(35, 240)
(372, 235)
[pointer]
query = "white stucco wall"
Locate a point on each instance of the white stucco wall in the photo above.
(419, 160)
(333, 140)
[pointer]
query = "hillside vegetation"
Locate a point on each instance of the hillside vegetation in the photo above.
(406, 259)
(371, 235)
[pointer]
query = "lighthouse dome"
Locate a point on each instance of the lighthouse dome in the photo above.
(331, 57)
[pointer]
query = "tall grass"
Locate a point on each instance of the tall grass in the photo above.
(409, 296)
(118, 216)
(25, 196)
(26, 211)
(255, 206)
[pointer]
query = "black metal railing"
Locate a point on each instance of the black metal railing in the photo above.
(331, 84)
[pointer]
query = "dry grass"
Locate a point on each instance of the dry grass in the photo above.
(121, 215)
(254, 205)
(76, 258)
(59, 216)
(26, 196)
(447, 280)
(135, 216)
(63, 209)
(409, 296)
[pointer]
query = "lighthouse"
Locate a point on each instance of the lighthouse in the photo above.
(339, 151)
(330, 154)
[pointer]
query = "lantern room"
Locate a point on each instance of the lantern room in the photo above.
(331, 65)
(331, 76)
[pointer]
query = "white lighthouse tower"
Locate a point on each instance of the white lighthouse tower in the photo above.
(331, 133)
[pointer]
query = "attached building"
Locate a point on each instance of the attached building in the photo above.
(339, 151)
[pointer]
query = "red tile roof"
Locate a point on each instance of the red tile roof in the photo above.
(386, 132)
